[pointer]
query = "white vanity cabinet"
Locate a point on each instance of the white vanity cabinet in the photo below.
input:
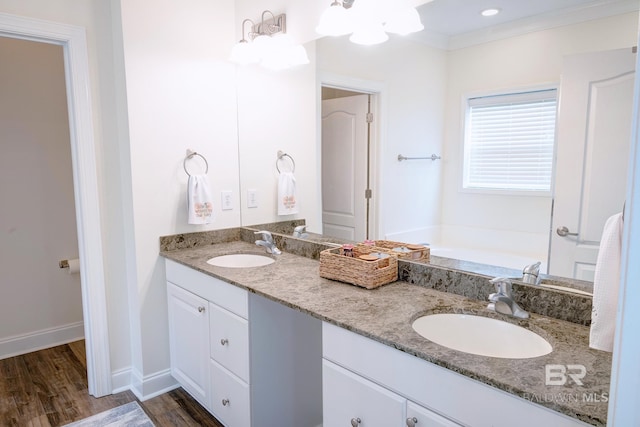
(250, 361)
(350, 399)
(363, 377)
(188, 325)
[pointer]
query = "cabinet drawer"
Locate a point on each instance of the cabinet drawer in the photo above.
(419, 416)
(347, 397)
(229, 338)
(231, 297)
(229, 397)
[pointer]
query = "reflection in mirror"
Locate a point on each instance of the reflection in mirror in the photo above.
(418, 89)
(425, 86)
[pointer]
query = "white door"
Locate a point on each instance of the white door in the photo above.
(593, 137)
(344, 167)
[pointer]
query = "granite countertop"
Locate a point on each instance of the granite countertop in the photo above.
(385, 314)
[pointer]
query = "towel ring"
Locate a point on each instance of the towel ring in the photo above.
(184, 164)
(281, 155)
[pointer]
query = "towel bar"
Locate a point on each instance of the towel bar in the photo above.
(190, 154)
(281, 155)
(433, 157)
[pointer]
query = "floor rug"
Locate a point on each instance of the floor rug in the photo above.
(130, 415)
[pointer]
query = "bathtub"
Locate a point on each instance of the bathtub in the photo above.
(501, 259)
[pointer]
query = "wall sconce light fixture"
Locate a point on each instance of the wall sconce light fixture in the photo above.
(268, 44)
(369, 21)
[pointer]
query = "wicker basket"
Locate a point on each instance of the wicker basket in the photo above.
(353, 270)
(414, 252)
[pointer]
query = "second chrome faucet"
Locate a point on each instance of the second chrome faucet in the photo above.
(267, 242)
(502, 300)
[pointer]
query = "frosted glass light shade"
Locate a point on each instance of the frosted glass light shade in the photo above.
(404, 21)
(369, 35)
(335, 21)
(243, 53)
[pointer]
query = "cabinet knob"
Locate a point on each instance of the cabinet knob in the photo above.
(201, 309)
(411, 422)
(224, 341)
(355, 422)
(225, 402)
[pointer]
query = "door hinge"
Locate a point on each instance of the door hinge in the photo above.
(367, 193)
(369, 117)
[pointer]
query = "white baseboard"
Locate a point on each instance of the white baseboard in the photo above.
(152, 385)
(121, 380)
(39, 340)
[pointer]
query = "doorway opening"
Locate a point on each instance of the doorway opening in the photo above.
(85, 181)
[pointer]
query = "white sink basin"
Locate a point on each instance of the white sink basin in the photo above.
(240, 260)
(481, 335)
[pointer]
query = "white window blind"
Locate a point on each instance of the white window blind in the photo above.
(509, 141)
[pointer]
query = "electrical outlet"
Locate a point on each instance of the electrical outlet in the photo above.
(227, 200)
(252, 198)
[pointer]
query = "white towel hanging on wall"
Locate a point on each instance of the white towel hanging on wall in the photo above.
(199, 200)
(606, 284)
(287, 194)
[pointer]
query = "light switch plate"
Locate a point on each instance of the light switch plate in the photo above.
(252, 198)
(227, 200)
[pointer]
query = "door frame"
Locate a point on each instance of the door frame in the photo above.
(86, 189)
(378, 90)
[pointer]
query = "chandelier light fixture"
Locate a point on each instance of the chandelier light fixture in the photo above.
(369, 21)
(268, 44)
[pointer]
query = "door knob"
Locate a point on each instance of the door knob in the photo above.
(355, 422)
(564, 231)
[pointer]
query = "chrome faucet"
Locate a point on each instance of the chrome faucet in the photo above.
(531, 273)
(267, 242)
(502, 300)
(299, 232)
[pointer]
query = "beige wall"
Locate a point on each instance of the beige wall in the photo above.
(37, 213)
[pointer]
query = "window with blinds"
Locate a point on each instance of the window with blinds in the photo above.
(509, 141)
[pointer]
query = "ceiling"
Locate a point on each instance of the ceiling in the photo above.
(457, 23)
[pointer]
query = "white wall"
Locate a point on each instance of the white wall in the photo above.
(95, 16)
(42, 304)
(180, 94)
(413, 78)
(277, 111)
(527, 60)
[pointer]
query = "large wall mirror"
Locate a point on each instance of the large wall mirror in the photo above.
(417, 89)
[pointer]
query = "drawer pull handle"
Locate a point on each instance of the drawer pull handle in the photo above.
(201, 309)
(225, 402)
(224, 341)
(355, 422)
(411, 422)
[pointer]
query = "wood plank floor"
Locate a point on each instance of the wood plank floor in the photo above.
(48, 388)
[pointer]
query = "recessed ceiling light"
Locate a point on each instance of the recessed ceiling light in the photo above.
(490, 12)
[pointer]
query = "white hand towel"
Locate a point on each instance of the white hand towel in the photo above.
(287, 197)
(606, 284)
(199, 200)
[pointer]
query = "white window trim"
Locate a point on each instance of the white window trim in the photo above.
(464, 102)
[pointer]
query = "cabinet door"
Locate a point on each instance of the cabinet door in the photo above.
(418, 416)
(350, 400)
(189, 341)
(229, 397)
(229, 341)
